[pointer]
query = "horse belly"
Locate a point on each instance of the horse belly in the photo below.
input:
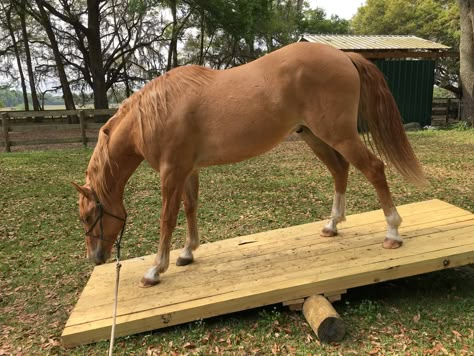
(243, 137)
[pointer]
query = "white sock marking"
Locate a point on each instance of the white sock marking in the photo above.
(152, 274)
(338, 211)
(187, 253)
(393, 222)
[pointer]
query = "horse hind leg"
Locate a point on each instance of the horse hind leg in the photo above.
(190, 199)
(372, 167)
(339, 169)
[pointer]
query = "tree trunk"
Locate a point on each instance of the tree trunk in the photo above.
(203, 33)
(99, 86)
(299, 6)
(466, 50)
(18, 58)
(66, 89)
(124, 58)
(173, 49)
(29, 64)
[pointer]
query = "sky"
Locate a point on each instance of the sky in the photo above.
(343, 8)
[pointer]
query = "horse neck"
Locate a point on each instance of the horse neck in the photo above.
(122, 162)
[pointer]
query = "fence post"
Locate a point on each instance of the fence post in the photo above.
(448, 109)
(6, 136)
(82, 122)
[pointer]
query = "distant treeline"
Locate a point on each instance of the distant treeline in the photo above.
(14, 98)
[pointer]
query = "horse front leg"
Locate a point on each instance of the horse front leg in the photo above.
(339, 169)
(172, 186)
(190, 198)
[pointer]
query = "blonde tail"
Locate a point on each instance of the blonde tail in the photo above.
(379, 112)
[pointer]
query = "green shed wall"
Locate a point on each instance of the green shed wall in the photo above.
(411, 83)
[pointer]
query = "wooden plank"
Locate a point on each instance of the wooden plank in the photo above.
(44, 127)
(226, 250)
(372, 222)
(335, 296)
(131, 298)
(262, 273)
(46, 141)
(182, 281)
(319, 247)
(256, 263)
(154, 319)
(53, 127)
(60, 113)
(295, 304)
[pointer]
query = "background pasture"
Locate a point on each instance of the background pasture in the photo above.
(43, 267)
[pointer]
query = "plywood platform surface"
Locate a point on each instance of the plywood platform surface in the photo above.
(272, 267)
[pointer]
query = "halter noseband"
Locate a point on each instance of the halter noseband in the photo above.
(102, 212)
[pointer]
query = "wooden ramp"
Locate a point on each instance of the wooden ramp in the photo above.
(272, 267)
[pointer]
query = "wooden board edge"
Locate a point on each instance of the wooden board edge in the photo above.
(139, 324)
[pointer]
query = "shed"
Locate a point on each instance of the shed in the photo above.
(408, 63)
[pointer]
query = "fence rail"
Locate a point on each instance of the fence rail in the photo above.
(445, 111)
(19, 129)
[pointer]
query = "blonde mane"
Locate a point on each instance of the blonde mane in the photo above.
(99, 163)
(148, 108)
(153, 103)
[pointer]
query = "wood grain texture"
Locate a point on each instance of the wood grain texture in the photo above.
(278, 266)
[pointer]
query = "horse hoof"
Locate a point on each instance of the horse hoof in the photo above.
(391, 244)
(147, 283)
(328, 232)
(183, 261)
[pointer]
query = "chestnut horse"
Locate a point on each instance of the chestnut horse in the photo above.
(194, 117)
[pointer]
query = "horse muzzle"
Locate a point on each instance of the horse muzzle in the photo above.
(99, 257)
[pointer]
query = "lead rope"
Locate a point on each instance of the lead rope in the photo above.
(114, 320)
(117, 279)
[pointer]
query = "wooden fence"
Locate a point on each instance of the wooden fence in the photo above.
(445, 111)
(19, 128)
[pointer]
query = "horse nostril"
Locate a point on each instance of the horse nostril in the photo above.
(100, 257)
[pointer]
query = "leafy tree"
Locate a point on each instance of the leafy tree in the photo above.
(436, 20)
(233, 32)
(113, 47)
(315, 21)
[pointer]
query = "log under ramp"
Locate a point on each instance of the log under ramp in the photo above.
(279, 266)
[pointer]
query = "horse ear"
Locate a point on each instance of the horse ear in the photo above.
(83, 190)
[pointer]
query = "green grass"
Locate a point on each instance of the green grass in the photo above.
(43, 267)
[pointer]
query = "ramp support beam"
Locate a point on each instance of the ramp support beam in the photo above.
(323, 319)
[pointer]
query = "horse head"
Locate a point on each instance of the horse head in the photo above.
(103, 223)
